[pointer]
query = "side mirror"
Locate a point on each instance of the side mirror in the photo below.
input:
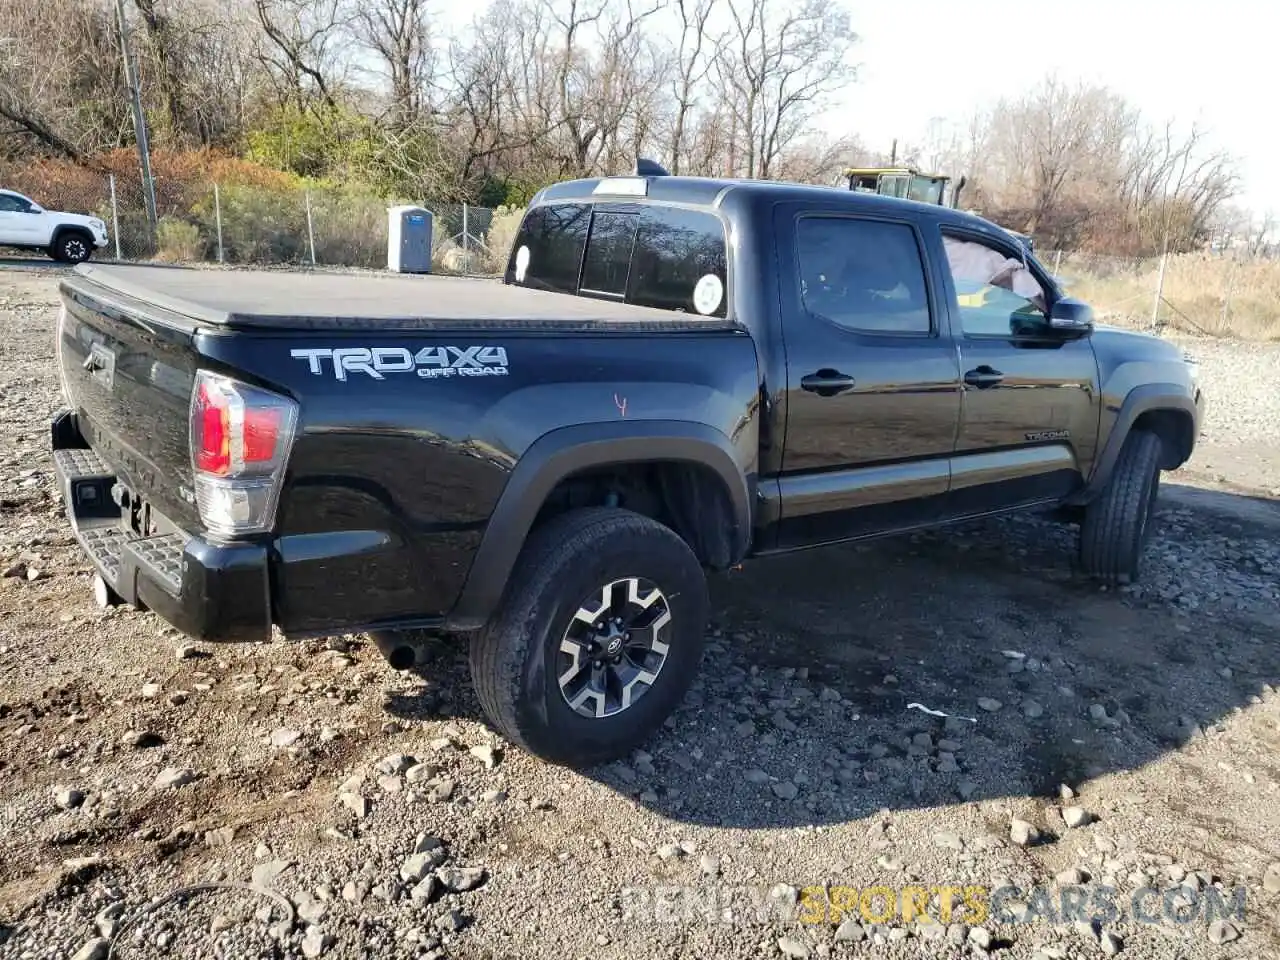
(35, 208)
(1071, 317)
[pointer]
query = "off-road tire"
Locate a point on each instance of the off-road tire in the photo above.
(71, 246)
(513, 658)
(1116, 524)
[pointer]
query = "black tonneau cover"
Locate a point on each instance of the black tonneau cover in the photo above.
(269, 299)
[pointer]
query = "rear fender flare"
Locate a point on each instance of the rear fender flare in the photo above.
(569, 450)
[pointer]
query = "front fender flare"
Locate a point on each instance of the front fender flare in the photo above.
(568, 450)
(1143, 398)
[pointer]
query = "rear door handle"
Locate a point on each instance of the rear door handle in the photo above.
(983, 377)
(827, 382)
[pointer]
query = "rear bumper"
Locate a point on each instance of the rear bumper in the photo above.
(214, 592)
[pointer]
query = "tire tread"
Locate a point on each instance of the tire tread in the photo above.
(1111, 532)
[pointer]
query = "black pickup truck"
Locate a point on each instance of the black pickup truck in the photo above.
(676, 374)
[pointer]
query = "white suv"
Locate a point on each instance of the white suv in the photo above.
(70, 237)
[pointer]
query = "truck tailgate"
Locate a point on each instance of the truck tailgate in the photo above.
(127, 371)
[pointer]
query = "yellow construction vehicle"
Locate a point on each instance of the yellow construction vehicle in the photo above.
(909, 183)
(905, 182)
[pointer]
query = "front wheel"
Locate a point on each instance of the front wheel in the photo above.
(1116, 525)
(597, 639)
(71, 248)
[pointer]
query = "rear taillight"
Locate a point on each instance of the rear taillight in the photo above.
(240, 442)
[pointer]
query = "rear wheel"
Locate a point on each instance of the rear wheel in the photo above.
(71, 248)
(597, 639)
(1116, 525)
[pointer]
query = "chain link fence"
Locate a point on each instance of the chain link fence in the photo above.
(264, 226)
(1231, 294)
(1217, 294)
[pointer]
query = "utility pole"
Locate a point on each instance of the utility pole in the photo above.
(139, 119)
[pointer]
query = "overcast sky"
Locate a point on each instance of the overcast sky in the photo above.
(1215, 62)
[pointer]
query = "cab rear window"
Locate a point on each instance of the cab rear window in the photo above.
(666, 257)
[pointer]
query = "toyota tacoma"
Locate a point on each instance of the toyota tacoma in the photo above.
(675, 374)
(69, 237)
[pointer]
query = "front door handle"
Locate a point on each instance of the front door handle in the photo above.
(983, 377)
(827, 382)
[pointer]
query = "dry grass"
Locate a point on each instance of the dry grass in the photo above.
(1219, 296)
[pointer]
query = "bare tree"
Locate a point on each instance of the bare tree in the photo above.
(694, 61)
(783, 63)
(301, 41)
(396, 32)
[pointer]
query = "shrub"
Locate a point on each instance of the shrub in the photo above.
(178, 241)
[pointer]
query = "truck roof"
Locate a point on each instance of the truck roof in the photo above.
(291, 300)
(713, 192)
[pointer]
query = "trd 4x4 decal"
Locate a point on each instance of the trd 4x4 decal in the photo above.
(428, 363)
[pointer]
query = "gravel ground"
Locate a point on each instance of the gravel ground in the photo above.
(289, 800)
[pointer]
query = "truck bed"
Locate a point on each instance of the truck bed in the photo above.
(269, 299)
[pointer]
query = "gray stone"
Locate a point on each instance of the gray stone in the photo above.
(171, 778)
(186, 651)
(284, 738)
(1071, 877)
(950, 841)
(460, 879)
(265, 874)
(1222, 931)
(1032, 710)
(1065, 792)
(425, 890)
(68, 798)
(957, 933)
(710, 866)
(418, 865)
(493, 796)
(1023, 833)
(420, 773)
(95, 949)
(1271, 879)
(980, 937)
(669, 851)
(315, 943)
(357, 804)
(395, 763)
(1111, 943)
(758, 777)
(786, 790)
(850, 931)
(966, 789)
(794, 949)
(441, 791)
(485, 754)
(1076, 817)
(989, 704)
(450, 921)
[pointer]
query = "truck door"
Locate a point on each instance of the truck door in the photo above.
(1029, 417)
(18, 224)
(873, 385)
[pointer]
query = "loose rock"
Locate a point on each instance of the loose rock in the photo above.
(460, 879)
(1023, 833)
(95, 949)
(1111, 943)
(1076, 817)
(171, 778)
(1222, 931)
(850, 931)
(989, 704)
(794, 949)
(315, 943)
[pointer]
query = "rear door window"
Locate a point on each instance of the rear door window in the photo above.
(671, 258)
(609, 247)
(547, 253)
